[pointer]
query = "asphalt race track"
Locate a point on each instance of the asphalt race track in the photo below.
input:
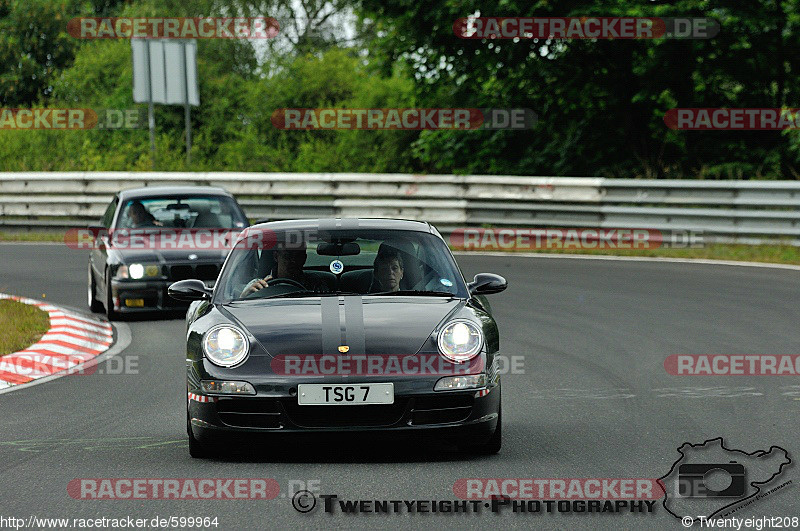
(593, 400)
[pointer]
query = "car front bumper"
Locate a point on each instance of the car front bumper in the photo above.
(416, 408)
(136, 296)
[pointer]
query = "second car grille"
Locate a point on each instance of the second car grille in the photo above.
(198, 271)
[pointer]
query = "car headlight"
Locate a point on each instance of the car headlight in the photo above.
(225, 346)
(136, 271)
(460, 341)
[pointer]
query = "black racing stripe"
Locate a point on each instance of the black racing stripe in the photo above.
(354, 324)
(331, 327)
(342, 326)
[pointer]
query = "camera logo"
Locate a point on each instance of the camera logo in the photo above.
(696, 480)
(709, 479)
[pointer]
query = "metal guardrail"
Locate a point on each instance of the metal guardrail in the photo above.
(748, 211)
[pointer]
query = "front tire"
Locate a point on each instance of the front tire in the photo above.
(109, 304)
(94, 304)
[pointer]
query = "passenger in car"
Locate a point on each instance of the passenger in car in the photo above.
(388, 270)
(205, 218)
(289, 265)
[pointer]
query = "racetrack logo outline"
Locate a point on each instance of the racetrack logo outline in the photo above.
(754, 484)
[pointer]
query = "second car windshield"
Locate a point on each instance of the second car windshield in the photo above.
(181, 212)
(278, 264)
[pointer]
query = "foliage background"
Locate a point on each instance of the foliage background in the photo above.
(600, 103)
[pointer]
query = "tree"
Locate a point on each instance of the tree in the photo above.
(34, 46)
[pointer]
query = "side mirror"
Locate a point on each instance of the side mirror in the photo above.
(486, 284)
(189, 290)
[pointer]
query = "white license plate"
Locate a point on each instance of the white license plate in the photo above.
(345, 394)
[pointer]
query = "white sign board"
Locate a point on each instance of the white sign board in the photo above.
(166, 71)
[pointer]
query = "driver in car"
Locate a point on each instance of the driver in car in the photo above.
(140, 217)
(288, 265)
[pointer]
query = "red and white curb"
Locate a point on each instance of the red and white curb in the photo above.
(73, 339)
(201, 398)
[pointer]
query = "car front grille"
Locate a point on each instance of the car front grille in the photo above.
(268, 413)
(198, 271)
(441, 409)
(249, 412)
(345, 416)
(206, 271)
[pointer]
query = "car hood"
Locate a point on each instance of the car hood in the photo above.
(367, 325)
(128, 256)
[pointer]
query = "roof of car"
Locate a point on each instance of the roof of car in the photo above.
(346, 223)
(161, 191)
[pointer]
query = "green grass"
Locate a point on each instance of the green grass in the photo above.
(776, 254)
(13, 236)
(22, 325)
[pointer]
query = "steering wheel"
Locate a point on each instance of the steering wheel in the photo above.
(288, 281)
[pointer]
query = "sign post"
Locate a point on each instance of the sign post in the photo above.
(165, 71)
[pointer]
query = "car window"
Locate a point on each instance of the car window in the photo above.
(182, 212)
(359, 261)
(108, 216)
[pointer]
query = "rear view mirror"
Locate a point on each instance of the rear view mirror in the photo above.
(486, 284)
(338, 249)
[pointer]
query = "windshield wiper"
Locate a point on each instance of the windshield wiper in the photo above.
(290, 295)
(417, 292)
(300, 294)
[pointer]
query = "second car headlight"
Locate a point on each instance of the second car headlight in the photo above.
(136, 271)
(225, 346)
(460, 341)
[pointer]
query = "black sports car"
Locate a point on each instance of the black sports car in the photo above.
(150, 237)
(342, 325)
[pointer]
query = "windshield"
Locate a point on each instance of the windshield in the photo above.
(204, 212)
(280, 264)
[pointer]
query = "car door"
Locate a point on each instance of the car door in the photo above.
(99, 255)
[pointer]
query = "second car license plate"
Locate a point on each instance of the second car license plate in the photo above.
(345, 395)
